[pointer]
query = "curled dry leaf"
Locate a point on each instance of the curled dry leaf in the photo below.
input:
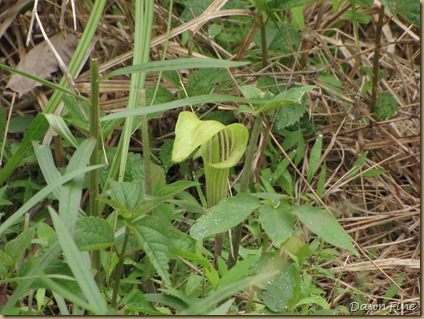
(40, 61)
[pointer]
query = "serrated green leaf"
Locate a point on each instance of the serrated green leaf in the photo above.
(391, 5)
(227, 214)
(194, 7)
(152, 237)
(93, 233)
(361, 17)
(315, 157)
(326, 227)
(163, 95)
(173, 77)
(128, 194)
(290, 115)
(410, 10)
(135, 169)
(205, 81)
(143, 206)
(289, 97)
(277, 222)
(386, 106)
(157, 96)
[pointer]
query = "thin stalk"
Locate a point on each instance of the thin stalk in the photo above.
(264, 43)
(244, 185)
(142, 39)
(377, 44)
(120, 268)
(249, 303)
(146, 147)
(93, 176)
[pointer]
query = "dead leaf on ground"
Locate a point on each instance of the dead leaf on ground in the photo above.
(40, 61)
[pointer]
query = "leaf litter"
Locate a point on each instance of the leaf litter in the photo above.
(40, 61)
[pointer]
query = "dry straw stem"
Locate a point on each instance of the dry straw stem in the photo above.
(193, 25)
(388, 263)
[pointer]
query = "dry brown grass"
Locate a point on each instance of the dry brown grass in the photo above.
(381, 213)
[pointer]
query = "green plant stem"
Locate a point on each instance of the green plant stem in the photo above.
(264, 43)
(142, 38)
(244, 185)
(120, 268)
(93, 176)
(249, 301)
(376, 59)
(146, 147)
